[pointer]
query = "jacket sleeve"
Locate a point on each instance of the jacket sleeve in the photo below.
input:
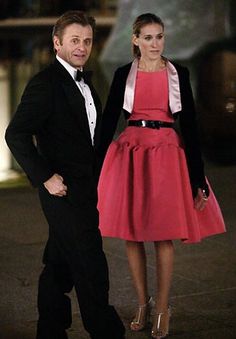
(111, 113)
(29, 120)
(189, 131)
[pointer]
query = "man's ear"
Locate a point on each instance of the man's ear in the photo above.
(56, 43)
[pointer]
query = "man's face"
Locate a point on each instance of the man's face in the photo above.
(75, 45)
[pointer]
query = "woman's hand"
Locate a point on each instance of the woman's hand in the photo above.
(200, 200)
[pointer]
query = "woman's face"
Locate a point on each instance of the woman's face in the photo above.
(150, 41)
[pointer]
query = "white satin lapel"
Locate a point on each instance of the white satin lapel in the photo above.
(130, 87)
(173, 83)
(174, 89)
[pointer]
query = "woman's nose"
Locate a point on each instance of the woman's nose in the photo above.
(154, 42)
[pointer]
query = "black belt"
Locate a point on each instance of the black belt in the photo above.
(150, 123)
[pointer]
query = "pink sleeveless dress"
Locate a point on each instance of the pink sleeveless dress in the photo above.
(144, 191)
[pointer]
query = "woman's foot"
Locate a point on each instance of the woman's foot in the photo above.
(160, 328)
(142, 316)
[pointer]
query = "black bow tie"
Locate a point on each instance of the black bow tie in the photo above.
(85, 75)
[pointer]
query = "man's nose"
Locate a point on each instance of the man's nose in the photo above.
(81, 46)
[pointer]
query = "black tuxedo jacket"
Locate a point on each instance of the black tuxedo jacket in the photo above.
(52, 109)
(186, 117)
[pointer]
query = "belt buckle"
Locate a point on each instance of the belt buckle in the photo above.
(143, 123)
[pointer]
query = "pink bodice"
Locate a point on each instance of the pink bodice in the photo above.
(151, 97)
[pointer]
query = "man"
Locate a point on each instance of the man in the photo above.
(62, 110)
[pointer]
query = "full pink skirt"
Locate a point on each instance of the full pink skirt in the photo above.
(144, 192)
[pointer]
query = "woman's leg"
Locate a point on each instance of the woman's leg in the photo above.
(164, 267)
(137, 262)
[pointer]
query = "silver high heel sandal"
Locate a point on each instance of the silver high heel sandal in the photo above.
(142, 316)
(160, 327)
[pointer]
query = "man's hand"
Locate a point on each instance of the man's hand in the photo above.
(200, 200)
(55, 185)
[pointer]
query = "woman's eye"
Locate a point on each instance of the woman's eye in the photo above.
(148, 38)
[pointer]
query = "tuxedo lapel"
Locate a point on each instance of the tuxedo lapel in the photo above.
(75, 98)
(78, 109)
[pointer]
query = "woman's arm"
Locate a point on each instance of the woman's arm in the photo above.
(189, 131)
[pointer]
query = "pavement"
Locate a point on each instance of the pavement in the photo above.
(203, 294)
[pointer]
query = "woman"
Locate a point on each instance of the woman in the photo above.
(152, 185)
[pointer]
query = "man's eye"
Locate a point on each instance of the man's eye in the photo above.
(148, 38)
(75, 41)
(88, 42)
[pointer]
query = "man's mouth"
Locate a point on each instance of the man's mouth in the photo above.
(79, 55)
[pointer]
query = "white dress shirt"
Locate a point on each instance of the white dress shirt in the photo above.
(85, 91)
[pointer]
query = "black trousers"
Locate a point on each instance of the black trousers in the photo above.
(74, 257)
